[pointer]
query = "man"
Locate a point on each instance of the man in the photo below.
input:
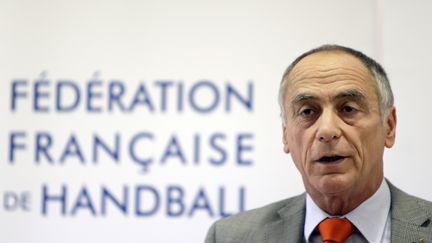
(338, 115)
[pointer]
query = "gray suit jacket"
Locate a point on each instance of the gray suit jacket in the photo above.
(284, 221)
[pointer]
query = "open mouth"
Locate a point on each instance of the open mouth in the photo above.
(328, 159)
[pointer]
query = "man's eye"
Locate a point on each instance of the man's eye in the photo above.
(307, 112)
(348, 109)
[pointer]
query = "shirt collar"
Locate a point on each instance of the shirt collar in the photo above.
(369, 217)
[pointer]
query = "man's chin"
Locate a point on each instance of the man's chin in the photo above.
(334, 184)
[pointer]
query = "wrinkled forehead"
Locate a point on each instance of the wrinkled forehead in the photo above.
(330, 66)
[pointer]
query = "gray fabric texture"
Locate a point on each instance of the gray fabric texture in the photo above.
(283, 222)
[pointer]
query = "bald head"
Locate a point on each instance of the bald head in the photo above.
(376, 72)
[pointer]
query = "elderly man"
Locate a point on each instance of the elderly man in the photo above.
(338, 115)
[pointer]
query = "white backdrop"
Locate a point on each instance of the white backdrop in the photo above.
(209, 45)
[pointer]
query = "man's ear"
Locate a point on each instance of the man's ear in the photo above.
(285, 140)
(391, 128)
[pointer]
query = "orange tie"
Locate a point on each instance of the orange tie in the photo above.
(335, 230)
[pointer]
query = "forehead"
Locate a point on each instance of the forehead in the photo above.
(330, 70)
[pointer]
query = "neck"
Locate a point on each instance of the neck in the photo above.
(344, 202)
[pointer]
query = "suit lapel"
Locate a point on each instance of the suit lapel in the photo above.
(411, 221)
(289, 227)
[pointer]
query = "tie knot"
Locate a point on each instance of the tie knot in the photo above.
(335, 229)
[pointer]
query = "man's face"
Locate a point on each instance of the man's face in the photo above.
(333, 128)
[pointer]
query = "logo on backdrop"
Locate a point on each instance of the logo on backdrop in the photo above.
(144, 149)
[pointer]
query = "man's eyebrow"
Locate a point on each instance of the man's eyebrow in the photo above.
(303, 97)
(344, 94)
(351, 93)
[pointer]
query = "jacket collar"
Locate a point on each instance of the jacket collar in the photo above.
(411, 220)
(290, 223)
(411, 217)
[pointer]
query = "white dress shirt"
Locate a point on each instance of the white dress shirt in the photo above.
(371, 219)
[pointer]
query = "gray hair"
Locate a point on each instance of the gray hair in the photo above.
(382, 83)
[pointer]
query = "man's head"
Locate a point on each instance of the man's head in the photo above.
(338, 115)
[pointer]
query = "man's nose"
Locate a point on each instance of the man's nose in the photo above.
(328, 127)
